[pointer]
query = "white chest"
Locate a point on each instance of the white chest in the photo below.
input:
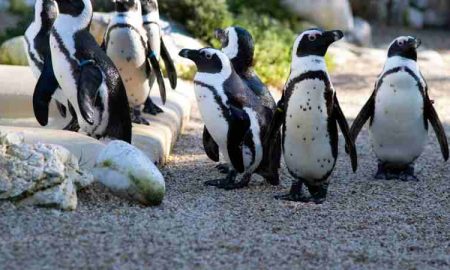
(398, 132)
(126, 50)
(213, 117)
(307, 149)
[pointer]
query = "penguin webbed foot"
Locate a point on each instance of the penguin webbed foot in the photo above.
(223, 168)
(238, 185)
(138, 118)
(151, 108)
(318, 193)
(223, 182)
(405, 174)
(296, 194)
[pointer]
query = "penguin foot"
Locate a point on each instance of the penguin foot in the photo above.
(72, 125)
(136, 117)
(151, 107)
(223, 168)
(408, 175)
(241, 184)
(293, 197)
(318, 193)
(295, 194)
(224, 182)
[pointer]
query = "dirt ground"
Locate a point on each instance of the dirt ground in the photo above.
(363, 224)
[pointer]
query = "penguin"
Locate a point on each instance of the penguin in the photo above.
(237, 43)
(309, 114)
(127, 45)
(85, 74)
(399, 110)
(150, 16)
(235, 117)
(37, 38)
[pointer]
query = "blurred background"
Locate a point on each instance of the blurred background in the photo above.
(273, 23)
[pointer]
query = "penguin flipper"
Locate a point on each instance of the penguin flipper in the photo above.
(366, 112)
(256, 85)
(170, 66)
(238, 129)
(339, 116)
(432, 116)
(159, 77)
(43, 92)
(211, 147)
(89, 82)
(277, 121)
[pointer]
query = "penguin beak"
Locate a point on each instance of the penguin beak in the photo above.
(414, 43)
(220, 35)
(189, 54)
(333, 36)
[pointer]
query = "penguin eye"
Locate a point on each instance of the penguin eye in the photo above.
(208, 56)
(312, 37)
(401, 42)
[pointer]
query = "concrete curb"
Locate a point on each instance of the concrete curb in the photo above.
(156, 141)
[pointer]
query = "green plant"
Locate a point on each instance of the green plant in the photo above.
(19, 7)
(200, 17)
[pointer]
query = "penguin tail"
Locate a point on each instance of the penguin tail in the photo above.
(119, 125)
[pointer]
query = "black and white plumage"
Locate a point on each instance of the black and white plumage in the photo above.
(309, 113)
(127, 45)
(238, 45)
(86, 75)
(151, 21)
(235, 117)
(37, 41)
(399, 110)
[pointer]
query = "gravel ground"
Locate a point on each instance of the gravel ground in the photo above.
(363, 224)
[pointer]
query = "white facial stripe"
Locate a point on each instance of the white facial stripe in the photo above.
(232, 49)
(299, 39)
(215, 79)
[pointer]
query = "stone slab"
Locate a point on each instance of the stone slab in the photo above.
(156, 140)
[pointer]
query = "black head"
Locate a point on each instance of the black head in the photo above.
(72, 7)
(149, 6)
(237, 44)
(127, 5)
(316, 42)
(404, 46)
(207, 60)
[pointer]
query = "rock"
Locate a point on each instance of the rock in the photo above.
(129, 173)
(361, 34)
(415, 18)
(39, 174)
(12, 52)
(84, 148)
(336, 14)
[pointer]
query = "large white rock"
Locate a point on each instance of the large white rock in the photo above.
(12, 52)
(129, 173)
(336, 14)
(39, 174)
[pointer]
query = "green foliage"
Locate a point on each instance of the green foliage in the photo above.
(200, 17)
(273, 42)
(19, 7)
(103, 5)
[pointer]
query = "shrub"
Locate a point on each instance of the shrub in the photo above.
(273, 42)
(200, 17)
